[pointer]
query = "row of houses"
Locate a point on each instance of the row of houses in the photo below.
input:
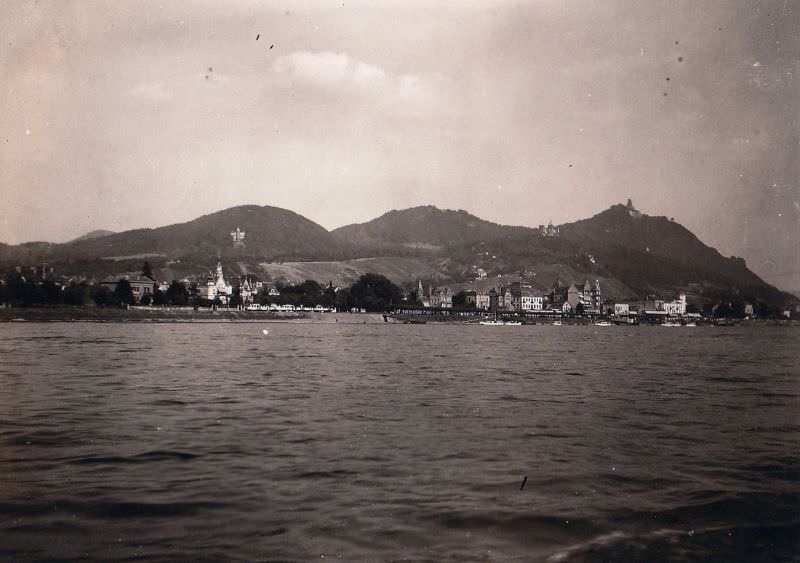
(518, 296)
(214, 287)
(652, 308)
(579, 299)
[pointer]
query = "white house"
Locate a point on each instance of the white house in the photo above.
(676, 307)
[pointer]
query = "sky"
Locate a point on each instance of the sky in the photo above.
(120, 115)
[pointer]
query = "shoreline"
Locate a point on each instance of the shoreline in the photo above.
(190, 315)
(174, 315)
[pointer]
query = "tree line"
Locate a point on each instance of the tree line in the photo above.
(21, 291)
(372, 292)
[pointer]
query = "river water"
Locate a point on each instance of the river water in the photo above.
(215, 442)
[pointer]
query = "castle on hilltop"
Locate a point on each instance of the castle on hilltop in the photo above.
(238, 237)
(632, 211)
(549, 231)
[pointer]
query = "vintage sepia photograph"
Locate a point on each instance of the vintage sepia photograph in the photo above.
(367, 281)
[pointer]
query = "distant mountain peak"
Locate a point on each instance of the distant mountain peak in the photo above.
(426, 224)
(93, 234)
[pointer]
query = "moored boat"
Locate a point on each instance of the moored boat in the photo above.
(404, 319)
(494, 321)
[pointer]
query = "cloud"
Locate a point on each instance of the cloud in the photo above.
(341, 74)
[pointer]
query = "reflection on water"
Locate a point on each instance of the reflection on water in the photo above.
(385, 442)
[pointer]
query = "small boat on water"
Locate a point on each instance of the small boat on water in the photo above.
(406, 320)
(556, 323)
(670, 323)
(602, 323)
(494, 321)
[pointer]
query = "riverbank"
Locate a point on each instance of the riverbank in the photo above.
(188, 314)
(173, 314)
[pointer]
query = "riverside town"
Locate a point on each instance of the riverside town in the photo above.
(517, 302)
(417, 265)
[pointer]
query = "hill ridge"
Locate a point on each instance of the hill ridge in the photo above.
(648, 254)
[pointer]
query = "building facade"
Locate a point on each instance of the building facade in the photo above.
(215, 288)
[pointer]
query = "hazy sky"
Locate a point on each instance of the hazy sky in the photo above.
(118, 115)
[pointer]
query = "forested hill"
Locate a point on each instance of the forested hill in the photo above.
(638, 254)
(271, 232)
(650, 253)
(425, 225)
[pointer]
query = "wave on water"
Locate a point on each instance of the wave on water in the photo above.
(732, 543)
(37, 338)
(146, 457)
(44, 438)
(722, 509)
(531, 528)
(737, 527)
(373, 443)
(107, 509)
(167, 403)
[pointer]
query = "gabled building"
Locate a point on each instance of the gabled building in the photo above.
(471, 298)
(537, 300)
(622, 309)
(434, 296)
(477, 299)
(574, 297)
(506, 299)
(591, 297)
(215, 288)
(141, 287)
(441, 297)
(494, 300)
(676, 307)
(247, 289)
(523, 298)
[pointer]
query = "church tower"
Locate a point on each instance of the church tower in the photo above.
(221, 289)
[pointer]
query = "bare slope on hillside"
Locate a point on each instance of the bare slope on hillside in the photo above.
(343, 273)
